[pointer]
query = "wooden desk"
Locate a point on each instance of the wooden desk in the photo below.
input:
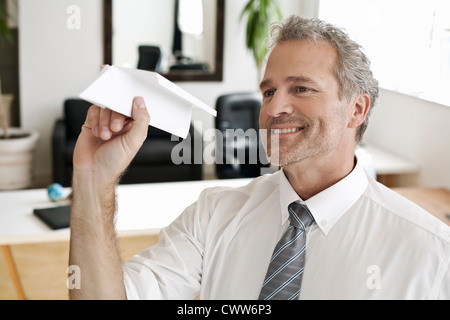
(143, 209)
(387, 164)
(435, 200)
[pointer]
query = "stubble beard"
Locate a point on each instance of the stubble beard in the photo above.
(311, 142)
(282, 153)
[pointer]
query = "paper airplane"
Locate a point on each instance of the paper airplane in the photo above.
(169, 106)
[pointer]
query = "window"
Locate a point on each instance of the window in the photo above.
(407, 41)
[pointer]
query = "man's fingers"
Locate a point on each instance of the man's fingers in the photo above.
(139, 126)
(117, 122)
(92, 118)
(140, 112)
(104, 123)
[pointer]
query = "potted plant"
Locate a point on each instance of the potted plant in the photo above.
(16, 145)
(260, 14)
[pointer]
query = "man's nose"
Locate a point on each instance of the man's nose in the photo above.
(279, 105)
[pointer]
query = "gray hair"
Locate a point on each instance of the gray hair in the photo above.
(352, 69)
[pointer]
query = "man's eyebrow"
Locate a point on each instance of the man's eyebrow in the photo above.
(294, 79)
(264, 83)
(302, 79)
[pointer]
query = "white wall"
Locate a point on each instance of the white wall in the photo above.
(417, 130)
(55, 63)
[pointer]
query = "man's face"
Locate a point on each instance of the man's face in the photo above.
(301, 106)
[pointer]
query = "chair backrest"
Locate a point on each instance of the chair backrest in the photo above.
(75, 111)
(149, 58)
(238, 111)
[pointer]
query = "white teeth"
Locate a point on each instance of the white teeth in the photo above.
(286, 130)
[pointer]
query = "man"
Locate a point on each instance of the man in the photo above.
(363, 241)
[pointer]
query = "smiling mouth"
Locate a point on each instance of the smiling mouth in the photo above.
(286, 130)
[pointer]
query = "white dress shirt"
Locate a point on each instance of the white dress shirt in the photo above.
(367, 242)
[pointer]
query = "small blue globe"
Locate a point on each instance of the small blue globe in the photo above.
(55, 192)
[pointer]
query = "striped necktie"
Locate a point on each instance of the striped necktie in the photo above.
(284, 276)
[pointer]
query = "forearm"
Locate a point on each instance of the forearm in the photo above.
(106, 145)
(93, 245)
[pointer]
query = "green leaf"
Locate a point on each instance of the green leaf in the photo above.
(248, 8)
(260, 13)
(5, 33)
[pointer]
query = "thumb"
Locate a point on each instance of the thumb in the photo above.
(141, 119)
(140, 113)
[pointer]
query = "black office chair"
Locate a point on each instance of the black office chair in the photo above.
(150, 58)
(152, 163)
(239, 152)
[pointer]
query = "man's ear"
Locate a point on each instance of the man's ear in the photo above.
(360, 108)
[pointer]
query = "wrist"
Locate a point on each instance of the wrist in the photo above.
(93, 194)
(94, 180)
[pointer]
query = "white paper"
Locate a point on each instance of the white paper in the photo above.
(169, 106)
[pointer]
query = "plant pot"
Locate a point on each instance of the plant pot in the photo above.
(17, 158)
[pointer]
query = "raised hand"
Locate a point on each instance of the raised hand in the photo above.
(109, 141)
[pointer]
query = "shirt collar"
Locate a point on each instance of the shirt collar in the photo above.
(328, 206)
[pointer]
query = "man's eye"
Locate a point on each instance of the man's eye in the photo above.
(301, 89)
(268, 93)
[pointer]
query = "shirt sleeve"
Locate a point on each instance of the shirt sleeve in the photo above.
(172, 268)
